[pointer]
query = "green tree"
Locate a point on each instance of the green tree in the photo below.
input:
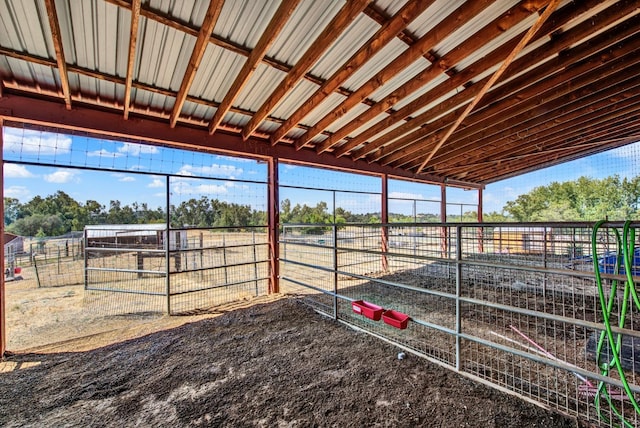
(12, 210)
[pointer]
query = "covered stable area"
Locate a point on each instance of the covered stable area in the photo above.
(451, 93)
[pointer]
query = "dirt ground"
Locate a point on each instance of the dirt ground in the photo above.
(271, 364)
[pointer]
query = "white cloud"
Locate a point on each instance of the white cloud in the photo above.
(16, 171)
(234, 159)
(18, 192)
(405, 195)
(25, 141)
(103, 153)
(215, 170)
(135, 149)
(156, 183)
(61, 176)
(127, 179)
(184, 188)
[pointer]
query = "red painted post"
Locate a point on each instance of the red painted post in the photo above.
(480, 220)
(443, 219)
(385, 219)
(3, 305)
(273, 223)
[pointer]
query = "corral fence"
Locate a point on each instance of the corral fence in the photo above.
(520, 307)
(137, 269)
(47, 262)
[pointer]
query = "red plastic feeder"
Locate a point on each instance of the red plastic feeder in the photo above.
(17, 270)
(395, 319)
(367, 309)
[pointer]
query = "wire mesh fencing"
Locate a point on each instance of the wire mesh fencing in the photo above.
(141, 270)
(544, 311)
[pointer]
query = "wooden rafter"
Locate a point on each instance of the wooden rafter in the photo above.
(339, 23)
(574, 62)
(185, 27)
(577, 121)
(576, 118)
(494, 78)
(380, 39)
(120, 81)
(604, 141)
(451, 169)
(209, 22)
(451, 23)
(278, 21)
(559, 103)
(52, 14)
(133, 38)
(561, 40)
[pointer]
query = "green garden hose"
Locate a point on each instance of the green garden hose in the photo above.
(624, 252)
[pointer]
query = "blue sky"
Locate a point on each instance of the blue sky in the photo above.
(136, 176)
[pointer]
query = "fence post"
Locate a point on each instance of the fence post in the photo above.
(168, 247)
(86, 260)
(458, 292)
(335, 270)
(255, 260)
(384, 214)
(35, 267)
(224, 259)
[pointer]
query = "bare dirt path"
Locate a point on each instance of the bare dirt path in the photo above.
(272, 364)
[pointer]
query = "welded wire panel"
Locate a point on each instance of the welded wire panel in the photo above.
(523, 302)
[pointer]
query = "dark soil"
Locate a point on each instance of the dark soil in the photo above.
(276, 364)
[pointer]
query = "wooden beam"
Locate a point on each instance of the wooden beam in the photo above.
(452, 169)
(278, 21)
(567, 92)
(598, 88)
(209, 22)
(558, 43)
(57, 45)
(583, 121)
(570, 65)
(451, 23)
(387, 32)
(331, 32)
(120, 81)
(185, 27)
(493, 29)
(494, 78)
(133, 38)
(511, 168)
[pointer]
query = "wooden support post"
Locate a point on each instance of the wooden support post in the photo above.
(273, 223)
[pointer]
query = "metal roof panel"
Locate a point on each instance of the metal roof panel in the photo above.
(305, 24)
(357, 34)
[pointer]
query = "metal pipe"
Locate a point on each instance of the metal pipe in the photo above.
(167, 246)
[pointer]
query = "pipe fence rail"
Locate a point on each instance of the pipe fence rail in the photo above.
(194, 269)
(545, 311)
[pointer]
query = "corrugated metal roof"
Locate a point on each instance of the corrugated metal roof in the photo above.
(216, 73)
(308, 20)
(358, 33)
(95, 40)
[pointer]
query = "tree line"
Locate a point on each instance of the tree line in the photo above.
(58, 214)
(584, 199)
